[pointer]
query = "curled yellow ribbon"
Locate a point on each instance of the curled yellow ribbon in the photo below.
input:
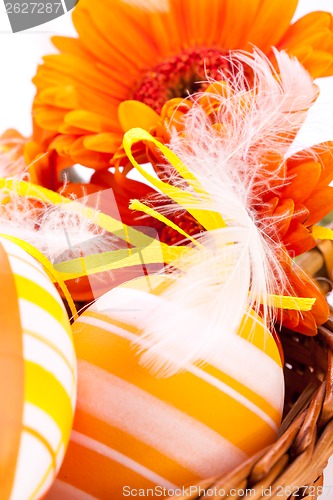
(191, 202)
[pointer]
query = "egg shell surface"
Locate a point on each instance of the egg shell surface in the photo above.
(134, 429)
(37, 376)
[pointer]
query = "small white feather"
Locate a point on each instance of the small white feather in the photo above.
(12, 162)
(237, 268)
(58, 231)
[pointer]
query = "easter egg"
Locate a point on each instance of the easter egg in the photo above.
(133, 430)
(37, 376)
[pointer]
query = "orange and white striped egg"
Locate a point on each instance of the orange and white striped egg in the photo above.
(37, 376)
(133, 429)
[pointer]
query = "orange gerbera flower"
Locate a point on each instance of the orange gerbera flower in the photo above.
(298, 205)
(138, 53)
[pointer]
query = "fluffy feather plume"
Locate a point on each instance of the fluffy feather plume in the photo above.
(12, 162)
(237, 268)
(58, 231)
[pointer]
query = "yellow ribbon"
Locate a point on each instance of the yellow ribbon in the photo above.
(117, 259)
(193, 204)
(291, 303)
(322, 233)
(151, 250)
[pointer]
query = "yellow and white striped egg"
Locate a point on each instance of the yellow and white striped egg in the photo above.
(133, 429)
(37, 376)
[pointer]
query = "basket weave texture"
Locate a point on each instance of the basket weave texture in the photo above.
(293, 466)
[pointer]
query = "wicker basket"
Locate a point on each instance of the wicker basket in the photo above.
(293, 466)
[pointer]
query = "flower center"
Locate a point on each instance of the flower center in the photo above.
(180, 75)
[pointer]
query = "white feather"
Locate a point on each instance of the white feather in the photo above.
(58, 231)
(237, 268)
(12, 162)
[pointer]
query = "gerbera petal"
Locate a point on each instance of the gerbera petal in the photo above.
(298, 240)
(318, 63)
(238, 19)
(289, 319)
(71, 46)
(73, 147)
(282, 216)
(71, 69)
(267, 209)
(197, 17)
(62, 144)
(314, 29)
(306, 325)
(301, 285)
(133, 43)
(91, 159)
(323, 154)
(103, 143)
(61, 96)
(49, 117)
(319, 204)
(277, 14)
(329, 70)
(113, 75)
(301, 214)
(178, 13)
(67, 129)
(95, 44)
(133, 114)
(302, 180)
(95, 99)
(90, 121)
(320, 309)
(48, 77)
(302, 52)
(306, 287)
(166, 29)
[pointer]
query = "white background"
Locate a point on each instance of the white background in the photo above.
(21, 53)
